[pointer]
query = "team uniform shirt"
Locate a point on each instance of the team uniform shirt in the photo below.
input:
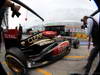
(90, 24)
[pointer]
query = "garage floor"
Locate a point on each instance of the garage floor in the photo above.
(73, 63)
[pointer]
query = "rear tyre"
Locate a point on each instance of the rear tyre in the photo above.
(16, 60)
(68, 49)
(76, 44)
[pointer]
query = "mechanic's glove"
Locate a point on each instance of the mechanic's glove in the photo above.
(15, 10)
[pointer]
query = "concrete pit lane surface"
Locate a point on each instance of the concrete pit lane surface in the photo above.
(72, 63)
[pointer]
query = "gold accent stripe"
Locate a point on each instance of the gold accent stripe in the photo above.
(43, 71)
(76, 57)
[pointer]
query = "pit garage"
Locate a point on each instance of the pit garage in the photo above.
(23, 61)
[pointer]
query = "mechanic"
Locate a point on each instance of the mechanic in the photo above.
(21, 31)
(98, 67)
(97, 71)
(91, 25)
(93, 31)
(4, 4)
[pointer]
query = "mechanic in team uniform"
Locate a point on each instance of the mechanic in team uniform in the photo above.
(98, 67)
(93, 31)
(3, 5)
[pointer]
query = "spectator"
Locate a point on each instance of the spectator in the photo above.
(16, 27)
(20, 28)
(21, 31)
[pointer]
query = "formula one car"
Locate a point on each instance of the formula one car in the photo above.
(74, 42)
(35, 51)
(12, 38)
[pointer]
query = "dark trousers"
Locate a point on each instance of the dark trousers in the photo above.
(97, 71)
(1, 67)
(94, 52)
(2, 70)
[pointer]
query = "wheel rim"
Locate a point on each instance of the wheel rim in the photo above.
(68, 50)
(14, 64)
(77, 46)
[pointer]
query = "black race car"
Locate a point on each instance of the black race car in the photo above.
(35, 51)
(75, 43)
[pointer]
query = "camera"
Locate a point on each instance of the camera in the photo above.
(84, 24)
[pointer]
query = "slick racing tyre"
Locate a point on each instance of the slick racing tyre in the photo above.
(15, 60)
(76, 44)
(68, 49)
